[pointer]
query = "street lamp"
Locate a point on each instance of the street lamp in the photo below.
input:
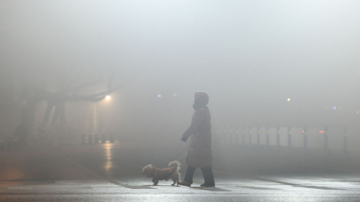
(108, 97)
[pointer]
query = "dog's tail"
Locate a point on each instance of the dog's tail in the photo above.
(175, 164)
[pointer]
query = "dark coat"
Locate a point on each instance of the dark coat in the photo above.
(199, 152)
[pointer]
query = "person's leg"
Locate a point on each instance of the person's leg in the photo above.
(208, 177)
(188, 179)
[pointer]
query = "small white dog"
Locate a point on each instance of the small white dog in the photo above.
(163, 174)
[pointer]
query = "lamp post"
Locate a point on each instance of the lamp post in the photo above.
(267, 136)
(305, 140)
(289, 137)
(278, 136)
(345, 152)
(258, 135)
(326, 141)
(250, 135)
(237, 134)
(243, 135)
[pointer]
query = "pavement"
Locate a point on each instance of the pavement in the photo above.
(112, 172)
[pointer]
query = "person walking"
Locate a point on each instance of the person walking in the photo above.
(199, 151)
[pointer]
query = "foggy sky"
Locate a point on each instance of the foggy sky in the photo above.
(249, 56)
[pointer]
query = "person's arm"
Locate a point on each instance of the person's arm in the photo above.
(199, 119)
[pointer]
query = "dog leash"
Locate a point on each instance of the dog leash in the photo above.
(176, 158)
(182, 151)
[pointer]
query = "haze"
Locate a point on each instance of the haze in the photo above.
(249, 56)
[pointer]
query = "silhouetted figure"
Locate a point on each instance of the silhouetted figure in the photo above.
(199, 152)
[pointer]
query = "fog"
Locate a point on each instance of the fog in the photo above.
(249, 56)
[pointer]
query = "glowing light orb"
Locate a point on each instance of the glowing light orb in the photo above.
(159, 95)
(108, 97)
(288, 99)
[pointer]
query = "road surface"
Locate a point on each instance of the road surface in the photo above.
(112, 172)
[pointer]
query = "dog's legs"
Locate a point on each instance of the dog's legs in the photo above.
(155, 182)
(173, 184)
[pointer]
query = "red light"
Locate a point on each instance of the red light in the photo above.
(302, 131)
(321, 131)
(357, 112)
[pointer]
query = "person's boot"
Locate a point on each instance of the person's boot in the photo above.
(188, 179)
(208, 177)
(184, 183)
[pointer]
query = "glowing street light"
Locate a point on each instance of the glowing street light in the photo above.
(288, 99)
(108, 97)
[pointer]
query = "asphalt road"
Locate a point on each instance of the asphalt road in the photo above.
(112, 172)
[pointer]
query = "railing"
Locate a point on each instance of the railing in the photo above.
(96, 139)
(9, 143)
(233, 135)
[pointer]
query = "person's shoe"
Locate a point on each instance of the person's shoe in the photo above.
(207, 185)
(184, 183)
(208, 177)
